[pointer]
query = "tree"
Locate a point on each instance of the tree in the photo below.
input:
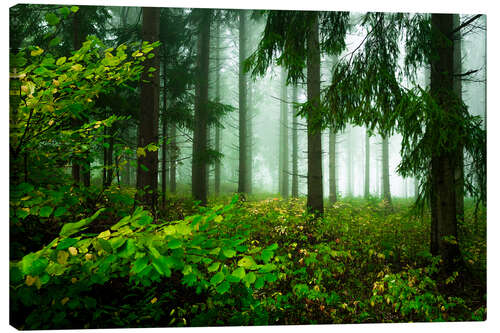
(283, 125)
(218, 148)
(295, 148)
(242, 104)
(332, 167)
(367, 164)
(386, 188)
(147, 171)
(200, 158)
(457, 89)
(289, 36)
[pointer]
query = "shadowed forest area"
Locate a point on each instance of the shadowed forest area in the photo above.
(217, 167)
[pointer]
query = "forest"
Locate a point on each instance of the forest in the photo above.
(226, 167)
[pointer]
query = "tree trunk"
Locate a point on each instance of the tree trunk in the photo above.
(295, 148)
(164, 146)
(367, 165)
(314, 160)
(386, 189)
(242, 104)
(147, 171)
(250, 138)
(443, 163)
(332, 165)
(285, 179)
(457, 89)
(199, 165)
(349, 163)
(174, 155)
(217, 99)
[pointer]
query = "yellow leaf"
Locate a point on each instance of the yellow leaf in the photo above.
(73, 251)
(36, 52)
(104, 234)
(76, 67)
(51, 122)
(141, 152)
(153, 301)
(64, 300)
(88, 256)
(74, 279)
(218, 218)
(62, 257)
(30, 280)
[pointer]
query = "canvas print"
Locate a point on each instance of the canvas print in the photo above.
(226, 167)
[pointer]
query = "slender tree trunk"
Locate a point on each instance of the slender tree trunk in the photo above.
(457, 89)
(314, 159)
(285, 179)
(332, 165)
(164, 146)
(147, 171)
(199, 165)
(109, 158)
(349, 163)
(75, 123)
(242, 96)
(295, 148)
(386, 189)
(174, 155)
(250, 138)
(443, 163)
(367, 164)
(217, 99)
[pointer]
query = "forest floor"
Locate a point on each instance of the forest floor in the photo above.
(362, 262)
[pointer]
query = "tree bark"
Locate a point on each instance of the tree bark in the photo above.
(199, 165)
(332, 138)
(147, 171)
(295, 148)
(386, 188)
(349, 163)
(242, 104)
(285, 179)
(174, 155)
(443, 162)
(457, 89)
(217, 99)
(367, 165)
(250, 138)
(164, 146)
(314, 160)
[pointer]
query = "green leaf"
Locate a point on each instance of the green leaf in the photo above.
(174, 244)
(64, 11)
(229, 253)
(250, 278)
(161, 265)
(52, 19)
(140, 264)
(38, 266)
(272, 247)
(60, 61)
(106, 246)
(66, 243)
(266, 255)
(60, 211)
(54, 42)
(259, 283)
(239, 273)
(213, 267)
(267, 268)
(74, 9)
(223, 287)
(217, 278)
(21, 213)
(71, 228)
(45, 211)
(247, 262)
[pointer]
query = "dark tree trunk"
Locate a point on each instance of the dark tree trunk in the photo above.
(164, 146)
(295, 148)
(242, 96)
(285, 179)
(443, 162)
(217, 99)
(457, 88)
(174, 155)
(147, 171)
(367, 165)
(332, 138)
(199, 165)
(314, 165)
(250, 139)
(386, 188)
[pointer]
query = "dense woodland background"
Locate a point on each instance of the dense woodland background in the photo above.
(201, 167)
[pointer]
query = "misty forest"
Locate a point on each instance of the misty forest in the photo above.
(213, 167)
